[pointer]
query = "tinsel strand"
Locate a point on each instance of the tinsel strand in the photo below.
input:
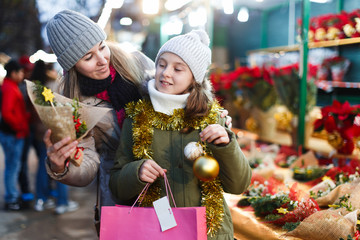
(145, 119)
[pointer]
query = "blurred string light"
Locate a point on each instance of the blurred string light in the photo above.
(126, 21)
(243, 15)
(106, 12)
(150, 6)
(228, 6)
(2, 72)
(41, 55)
(173, 27)
(198, 17)
(172, 5)
(259, 0)
(319, 1)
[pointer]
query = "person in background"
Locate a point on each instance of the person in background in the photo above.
(47, 76)
(14, 128)
(27, 196)
(180, 109)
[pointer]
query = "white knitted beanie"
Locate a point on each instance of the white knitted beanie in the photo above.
(193, 49)
(71, 35)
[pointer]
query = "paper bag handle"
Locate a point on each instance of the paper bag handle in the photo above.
(167, 188)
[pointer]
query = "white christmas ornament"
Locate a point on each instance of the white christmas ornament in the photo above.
(193, 150)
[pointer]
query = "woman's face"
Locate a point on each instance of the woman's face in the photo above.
(95, 63)
(173, 75)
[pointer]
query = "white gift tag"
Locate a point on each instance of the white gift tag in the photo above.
(164, 213)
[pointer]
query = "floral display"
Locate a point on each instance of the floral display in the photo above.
(287, 85)
(248, 82)
(336, 66)
(333, 26)
(342, 124)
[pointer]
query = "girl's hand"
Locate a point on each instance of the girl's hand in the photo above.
(150, 171)
(225, 114)
(216, 134)
(58, 153)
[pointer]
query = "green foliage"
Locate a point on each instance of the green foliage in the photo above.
(309, 173)
(39, 98)
(268, 204)
(289, 226)
(262, 95)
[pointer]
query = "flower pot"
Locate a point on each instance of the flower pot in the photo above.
(266, 122)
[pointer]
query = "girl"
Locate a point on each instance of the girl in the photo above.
(180, 109)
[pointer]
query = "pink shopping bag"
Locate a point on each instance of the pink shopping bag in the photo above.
(118, 222)
(135, 223)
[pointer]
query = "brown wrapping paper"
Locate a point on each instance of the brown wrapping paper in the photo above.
(352, 188)
(326, 224)
(305, 160)
(60, 119)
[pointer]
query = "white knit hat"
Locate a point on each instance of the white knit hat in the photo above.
(193, 49)
(71, 35)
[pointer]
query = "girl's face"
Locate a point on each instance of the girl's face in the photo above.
(95, 63)
(173, 75)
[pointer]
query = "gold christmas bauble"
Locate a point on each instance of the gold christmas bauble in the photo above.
(206, 168)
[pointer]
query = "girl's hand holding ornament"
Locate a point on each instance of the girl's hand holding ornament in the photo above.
(215, 134)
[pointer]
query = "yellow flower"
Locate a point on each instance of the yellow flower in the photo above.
(282, 210)
(334, 205)
(326, 178)
(48, 95)
(358, 222)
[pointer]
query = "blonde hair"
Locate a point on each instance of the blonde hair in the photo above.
(126, 64)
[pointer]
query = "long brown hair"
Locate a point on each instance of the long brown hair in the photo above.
(124, 63)
(198, 101)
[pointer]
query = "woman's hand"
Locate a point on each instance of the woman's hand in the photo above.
(58, 153)
(150, 171)
(225, 114)
(216, 134)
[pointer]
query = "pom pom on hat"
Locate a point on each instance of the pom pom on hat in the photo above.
(193, 49)
(71, 35)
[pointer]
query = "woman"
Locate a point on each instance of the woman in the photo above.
(99, 74)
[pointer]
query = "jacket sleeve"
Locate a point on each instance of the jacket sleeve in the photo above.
(146, 64)
(10, 111)
(84, 174)
(124, 176)
(235, 172)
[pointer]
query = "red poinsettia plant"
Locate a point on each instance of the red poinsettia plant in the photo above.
(248, 82)
(287, 85)
(341, 121)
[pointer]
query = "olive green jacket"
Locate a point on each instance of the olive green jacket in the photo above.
(168, 147)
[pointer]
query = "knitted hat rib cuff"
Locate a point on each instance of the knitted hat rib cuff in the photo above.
(193, 49)
(77, 49)
(71, 35)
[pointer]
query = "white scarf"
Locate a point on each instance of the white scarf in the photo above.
(166, 103)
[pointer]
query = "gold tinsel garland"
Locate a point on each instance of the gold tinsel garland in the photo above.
(145, 119)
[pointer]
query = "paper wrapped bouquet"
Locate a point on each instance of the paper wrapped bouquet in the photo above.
(65, 117)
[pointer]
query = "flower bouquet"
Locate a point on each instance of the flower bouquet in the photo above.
(326, 224)
(65, 117)
(287, 85)
(342, 124)
(255, 82)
